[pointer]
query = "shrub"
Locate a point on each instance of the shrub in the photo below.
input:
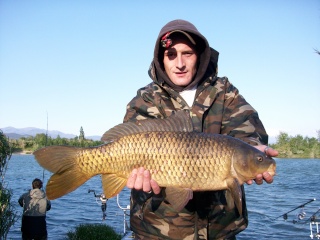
(8, 215)
(94, 232)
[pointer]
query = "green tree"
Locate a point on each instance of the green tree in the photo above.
(297, 146)
(282, 144)
(314, 147)
(58, 140)
(82, 142)
(41, 139)
(30, 144)
(8, 215)
(81, 136)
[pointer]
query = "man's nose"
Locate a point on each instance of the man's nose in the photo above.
(180, 61)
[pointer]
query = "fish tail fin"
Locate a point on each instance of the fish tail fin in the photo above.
(61, 160)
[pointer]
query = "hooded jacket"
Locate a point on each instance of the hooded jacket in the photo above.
(217, 108)
(35, 205)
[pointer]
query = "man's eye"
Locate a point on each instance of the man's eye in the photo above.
(188, 54)
(170, 54)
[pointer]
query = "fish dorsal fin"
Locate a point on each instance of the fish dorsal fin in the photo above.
(112, 184)
(178, 122)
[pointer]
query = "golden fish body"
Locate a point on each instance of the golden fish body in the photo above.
(188, 160)
(180, 159)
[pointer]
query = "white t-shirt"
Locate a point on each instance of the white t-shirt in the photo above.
(188, 95)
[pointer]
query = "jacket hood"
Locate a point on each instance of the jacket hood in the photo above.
(37, 193)
(207, 57)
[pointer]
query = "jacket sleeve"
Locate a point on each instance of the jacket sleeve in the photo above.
(146, 104)
(21, 201)
(240, 119)
(48, 205)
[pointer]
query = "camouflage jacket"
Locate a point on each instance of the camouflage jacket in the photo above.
(218, 108)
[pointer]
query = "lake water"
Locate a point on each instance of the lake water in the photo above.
(297, 182)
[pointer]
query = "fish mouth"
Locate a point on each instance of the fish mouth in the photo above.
(272, 170)
(272, 173)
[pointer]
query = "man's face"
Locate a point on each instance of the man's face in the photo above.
(180, 62)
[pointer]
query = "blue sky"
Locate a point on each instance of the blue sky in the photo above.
(81, 62)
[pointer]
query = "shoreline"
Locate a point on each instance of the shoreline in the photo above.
(22, 153)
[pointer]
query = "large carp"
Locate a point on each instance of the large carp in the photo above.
(178, 158)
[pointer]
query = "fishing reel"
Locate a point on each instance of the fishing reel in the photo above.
(302, 214)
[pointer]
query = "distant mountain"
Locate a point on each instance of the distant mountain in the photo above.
(16, 133)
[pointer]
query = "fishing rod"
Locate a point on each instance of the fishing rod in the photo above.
(285, 215)
(46, 143)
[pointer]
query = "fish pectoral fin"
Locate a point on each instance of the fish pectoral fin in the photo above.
(229, 199)
(178, 197)
(112, 184)
(234, 194)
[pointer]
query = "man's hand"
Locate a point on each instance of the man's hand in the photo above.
(140, 179)
(265, 176)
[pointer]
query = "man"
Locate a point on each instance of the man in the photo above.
(184, 77)
(35, 204)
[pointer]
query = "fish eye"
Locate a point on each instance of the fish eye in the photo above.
(260, 158)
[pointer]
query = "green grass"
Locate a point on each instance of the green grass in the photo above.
(94, 232)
